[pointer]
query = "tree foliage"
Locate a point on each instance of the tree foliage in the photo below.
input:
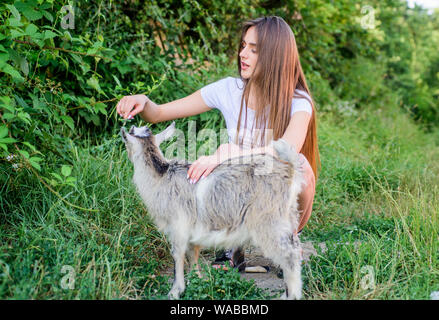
(64, 66)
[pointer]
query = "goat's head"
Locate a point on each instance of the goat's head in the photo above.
(139, 140)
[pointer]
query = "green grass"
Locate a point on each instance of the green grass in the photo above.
(376, 208)
(217, 284)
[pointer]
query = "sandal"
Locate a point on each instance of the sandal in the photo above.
(225, 255)
(235, 258)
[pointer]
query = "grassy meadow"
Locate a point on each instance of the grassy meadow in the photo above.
(375, 209)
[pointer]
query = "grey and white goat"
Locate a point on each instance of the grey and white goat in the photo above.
(235, 204)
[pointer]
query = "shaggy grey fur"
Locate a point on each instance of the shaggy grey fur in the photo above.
(238, 203)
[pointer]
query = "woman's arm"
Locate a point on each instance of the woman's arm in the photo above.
(204, 165)
(229, 151)
(295, 135)
(149, 111)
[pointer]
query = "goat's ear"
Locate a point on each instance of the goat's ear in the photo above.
(165, 134)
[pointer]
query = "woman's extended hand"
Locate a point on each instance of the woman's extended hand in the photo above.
(202, 167)
(129, 106)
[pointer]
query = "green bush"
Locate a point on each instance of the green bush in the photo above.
(60, 84)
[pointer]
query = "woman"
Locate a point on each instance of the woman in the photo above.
(270, 100)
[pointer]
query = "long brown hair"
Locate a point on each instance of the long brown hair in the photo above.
(277, 75)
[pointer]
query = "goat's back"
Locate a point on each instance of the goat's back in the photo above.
(251, 193)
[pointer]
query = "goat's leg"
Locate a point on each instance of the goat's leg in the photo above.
(291, 268)
(285, 251)
(193, 253)
(178, 253)
(292, 278)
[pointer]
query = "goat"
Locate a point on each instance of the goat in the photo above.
(234, 205)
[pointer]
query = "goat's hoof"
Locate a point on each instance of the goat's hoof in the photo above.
(174, 294)
(296, 296)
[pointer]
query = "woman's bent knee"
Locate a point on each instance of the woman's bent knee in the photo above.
(306, 197)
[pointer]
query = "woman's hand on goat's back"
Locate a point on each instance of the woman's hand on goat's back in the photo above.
(129, 106)
(202, 167)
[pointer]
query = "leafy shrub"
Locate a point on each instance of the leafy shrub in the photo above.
(362, 81)
(60, 84)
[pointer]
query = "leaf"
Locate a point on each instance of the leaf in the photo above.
(24, 116)
(57, 176)
(66, 170)
(8, 107)
(85, 67)
(16, 33)
(3, 58)
(13, 22)
(31, 29)
(7, 140)
(46, 4)
(71, 180)
(68, 121)
(117, 80)
(101, 107)
(34, 164)
(14, 11)
(3, 131)
(24, 66)
(5, 100)
(67, 35)
(75, 57)
(14, 55)
(48, 15)
(49, 35)
(30, 146)
(37, 103)
(39, 42)
(21, 102)
(52, 182)
(94, 83)
(32, 14)
(7, 68)
(8, 116)
(24, 153)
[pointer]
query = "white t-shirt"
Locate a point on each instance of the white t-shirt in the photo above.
(226, 95)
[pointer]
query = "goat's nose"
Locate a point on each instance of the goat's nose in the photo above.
(131, 130)
(123, 133)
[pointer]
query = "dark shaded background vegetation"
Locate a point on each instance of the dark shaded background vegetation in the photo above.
(59, 83)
